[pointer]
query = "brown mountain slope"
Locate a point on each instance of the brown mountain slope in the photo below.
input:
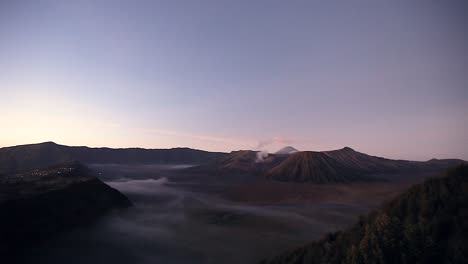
(309, 166)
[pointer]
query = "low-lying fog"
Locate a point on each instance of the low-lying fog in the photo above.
(171, 224)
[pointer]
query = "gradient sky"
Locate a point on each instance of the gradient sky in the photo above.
(388, 78)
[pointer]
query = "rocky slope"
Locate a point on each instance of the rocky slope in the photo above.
(426, 224)
(38, 204)
(309, 166)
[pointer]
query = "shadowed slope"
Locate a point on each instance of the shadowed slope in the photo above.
(40, 203)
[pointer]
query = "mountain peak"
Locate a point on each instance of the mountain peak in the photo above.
(51, 143)
(287, 150)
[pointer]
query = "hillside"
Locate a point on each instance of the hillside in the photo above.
(26, 157)
(38, 204)
(426, 224)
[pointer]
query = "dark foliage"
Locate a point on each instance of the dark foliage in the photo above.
(38, 204)
(426, 224)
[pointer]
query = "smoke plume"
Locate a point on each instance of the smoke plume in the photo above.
(272, 140)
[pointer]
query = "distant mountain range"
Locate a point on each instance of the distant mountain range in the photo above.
(346, 165)
(26, 157)
(426, 224)
(343, 165)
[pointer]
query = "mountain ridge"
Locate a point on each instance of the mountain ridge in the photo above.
(25, 157)
(342, 165)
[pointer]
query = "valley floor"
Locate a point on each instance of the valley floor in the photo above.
(192, 219)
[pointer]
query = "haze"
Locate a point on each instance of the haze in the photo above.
(386, 78)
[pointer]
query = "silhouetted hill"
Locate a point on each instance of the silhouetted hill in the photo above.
(426, 224)
(40, 203)
(25, 157)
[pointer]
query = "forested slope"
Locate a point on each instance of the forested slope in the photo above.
(426, 224)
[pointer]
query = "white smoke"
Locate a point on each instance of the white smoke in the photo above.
(267, 142)
(261, 156)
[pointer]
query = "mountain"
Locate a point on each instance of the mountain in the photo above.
(426, 224)
(310, 166)
(38, 204)
(241, 162)
(286, 151)
(346, 165)
(26, 157)
(342, 165)
(366, 163)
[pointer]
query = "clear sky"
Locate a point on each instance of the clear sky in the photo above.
(388, 78)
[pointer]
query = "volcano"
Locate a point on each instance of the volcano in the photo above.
(311, 166)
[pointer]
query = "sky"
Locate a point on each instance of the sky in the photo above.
(388, 78)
